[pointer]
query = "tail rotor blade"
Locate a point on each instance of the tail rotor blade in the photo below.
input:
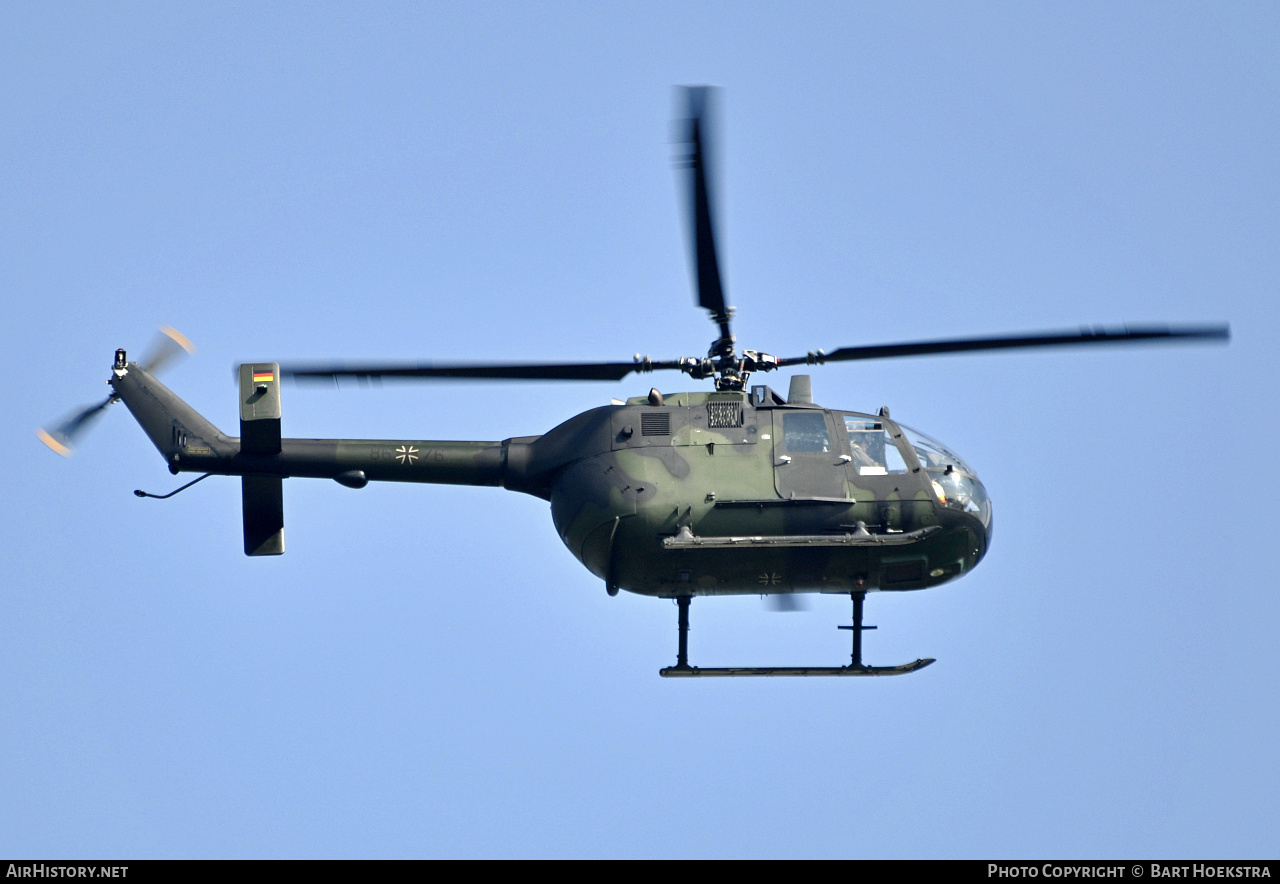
(62, 438)
(169, 344)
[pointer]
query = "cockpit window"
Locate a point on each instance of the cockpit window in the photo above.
(805, 431)
(958, 491)
(954, 482)
(933, 454)
(874, 453)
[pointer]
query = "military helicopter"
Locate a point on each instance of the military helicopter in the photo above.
(732, 490)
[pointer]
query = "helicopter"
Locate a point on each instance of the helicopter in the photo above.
(728, 491)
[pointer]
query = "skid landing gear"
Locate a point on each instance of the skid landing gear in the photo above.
(682, 669)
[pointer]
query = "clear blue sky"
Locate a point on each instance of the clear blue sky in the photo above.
(427, 671)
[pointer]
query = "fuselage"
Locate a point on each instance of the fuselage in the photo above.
(730, 492)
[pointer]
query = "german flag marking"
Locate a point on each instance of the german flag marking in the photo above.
(263, 377)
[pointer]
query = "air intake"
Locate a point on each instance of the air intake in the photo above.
(655, 423)
(722, 415)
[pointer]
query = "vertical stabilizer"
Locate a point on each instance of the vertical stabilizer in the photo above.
(263, 499)
(260, 408)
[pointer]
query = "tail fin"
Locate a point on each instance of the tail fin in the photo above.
(188, 441)
(173, 426)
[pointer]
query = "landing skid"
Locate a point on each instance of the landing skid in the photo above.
(682, 669)
(699, 672)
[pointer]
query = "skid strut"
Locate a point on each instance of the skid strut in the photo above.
(682, 669)
(682, 655)
(857, 629)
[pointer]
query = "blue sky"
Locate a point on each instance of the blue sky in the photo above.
(427, 671)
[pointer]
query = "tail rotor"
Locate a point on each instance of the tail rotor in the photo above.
(64, 436)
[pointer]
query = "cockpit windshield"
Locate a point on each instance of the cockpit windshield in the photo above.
(954, 482)
(933, 454)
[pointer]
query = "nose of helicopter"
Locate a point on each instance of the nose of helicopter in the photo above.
(966, 493)
(989, 521)
(954, 481)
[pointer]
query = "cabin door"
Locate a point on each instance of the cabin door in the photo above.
(806, 455)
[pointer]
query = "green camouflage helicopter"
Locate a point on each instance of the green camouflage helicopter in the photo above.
(735, 490)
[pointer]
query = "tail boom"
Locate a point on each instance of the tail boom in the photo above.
(190, 443)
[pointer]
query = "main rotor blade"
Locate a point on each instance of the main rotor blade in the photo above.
(62, 438)
(701, 102)
(1099, 335)
(572, 371)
